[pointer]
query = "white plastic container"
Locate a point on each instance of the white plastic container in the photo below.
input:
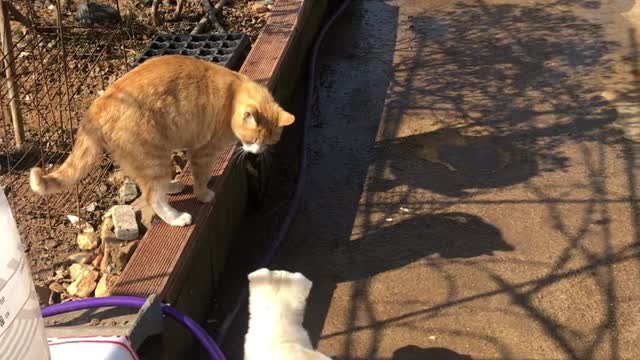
(22, 334)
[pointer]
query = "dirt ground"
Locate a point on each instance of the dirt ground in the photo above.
(471, 194)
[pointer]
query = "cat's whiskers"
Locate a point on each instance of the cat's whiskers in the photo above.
(239, 155)
(265, 160)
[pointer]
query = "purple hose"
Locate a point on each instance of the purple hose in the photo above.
(135, 302)
(297, 196)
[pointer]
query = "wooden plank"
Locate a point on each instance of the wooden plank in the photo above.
(165, 251)
(264, 61)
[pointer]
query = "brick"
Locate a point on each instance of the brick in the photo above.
(124, 222)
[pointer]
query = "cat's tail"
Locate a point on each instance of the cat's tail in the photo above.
(86, 152)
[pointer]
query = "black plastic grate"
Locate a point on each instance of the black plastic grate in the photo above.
(228, 50)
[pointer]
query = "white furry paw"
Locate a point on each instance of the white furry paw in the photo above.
(175, 187)
(206, 196)
(263, 273)
(183, 219)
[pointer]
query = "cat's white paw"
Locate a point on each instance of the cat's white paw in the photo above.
(301, 283)
(206, 196)
(258, 274)
(183, 219)
(175, 187)
(298, 278)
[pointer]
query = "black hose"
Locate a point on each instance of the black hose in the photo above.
(297, 196)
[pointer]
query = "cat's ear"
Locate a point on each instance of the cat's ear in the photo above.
(285, 119)
(248, 119)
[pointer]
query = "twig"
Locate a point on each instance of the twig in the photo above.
(155, 5)
(218, 26)
(202, 24)
(219, 5)
(179, 6)
(209, 9)
(212, 12)
(64, 5)
(16, 15)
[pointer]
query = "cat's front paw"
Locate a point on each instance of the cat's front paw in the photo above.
(206, 196)
(259, 274)
(183, 219)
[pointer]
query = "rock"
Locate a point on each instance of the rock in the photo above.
(80, 224)
(104, 264)
(18, 30)
(259, 8)
(56, 287)
(84, 257)
(117, 178)
(103, 189)
(50, 244)
(76, 269)
(609, 95)
(105, 285)
(97, 261)
(91, 207)
(93, 13)
(88, 241)
(124, 254)
(128, 192)
(84, 284)
(106, 229)
(129, 248)
(60, 273)
(265, 2)
(270, 7)
(119, 254)
(111, 246)
(124, 222)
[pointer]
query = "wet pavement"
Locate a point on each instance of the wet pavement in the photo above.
(472, 190)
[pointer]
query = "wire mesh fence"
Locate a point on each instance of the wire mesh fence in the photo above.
(50, 72)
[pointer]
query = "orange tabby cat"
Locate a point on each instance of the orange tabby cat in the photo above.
(170, 103)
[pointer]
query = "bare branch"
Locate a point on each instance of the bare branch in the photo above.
(155, 5)
(211, 17)
(179, 6)
(16, 15)
(202, 24)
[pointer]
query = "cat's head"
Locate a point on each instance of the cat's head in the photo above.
(278, 290)
(258, 120)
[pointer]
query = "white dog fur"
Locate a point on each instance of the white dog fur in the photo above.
(277, 300)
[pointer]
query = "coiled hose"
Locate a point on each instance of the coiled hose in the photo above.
(135, 302)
